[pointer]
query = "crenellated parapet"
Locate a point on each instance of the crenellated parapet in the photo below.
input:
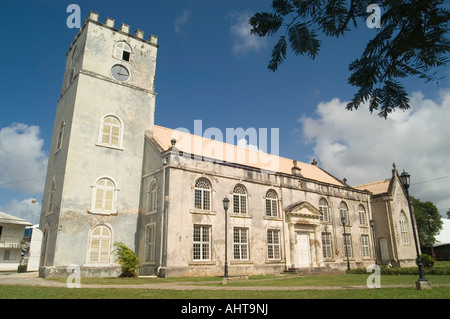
(124, 28)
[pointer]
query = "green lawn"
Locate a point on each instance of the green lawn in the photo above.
(23, 292)
(261, 290)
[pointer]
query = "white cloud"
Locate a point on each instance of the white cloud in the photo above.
(362, 147)
(243, 41)
(244, 143)
(180, 21)
(25, 209)
(23, 163)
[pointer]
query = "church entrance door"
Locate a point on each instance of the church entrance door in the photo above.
(303, 250)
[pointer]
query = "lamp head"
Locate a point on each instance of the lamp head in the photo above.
(405, 179)
(226, 203)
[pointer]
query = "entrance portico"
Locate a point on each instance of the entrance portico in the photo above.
(303, 221)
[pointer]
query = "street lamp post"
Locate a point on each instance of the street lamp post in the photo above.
(422, 283)
(343, 220)
(226, 203)
(372, 225)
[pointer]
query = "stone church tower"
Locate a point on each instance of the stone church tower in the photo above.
(107, 102)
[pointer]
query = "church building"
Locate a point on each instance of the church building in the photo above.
(115, 176)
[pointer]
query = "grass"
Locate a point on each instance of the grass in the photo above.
(262, 290)
(23, 292)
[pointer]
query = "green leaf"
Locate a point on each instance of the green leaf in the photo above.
(303, 41)
(278, 54)
(265, 23)
(283, 7)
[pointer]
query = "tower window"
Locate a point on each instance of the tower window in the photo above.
(111, 132)
(100, 245)
(122, 51)
(60, 135)
(104, 196)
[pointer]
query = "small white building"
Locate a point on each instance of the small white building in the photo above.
(12, 231)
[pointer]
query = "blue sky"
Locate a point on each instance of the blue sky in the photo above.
(210, 69)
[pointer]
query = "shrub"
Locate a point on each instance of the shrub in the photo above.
(127, 259)
(427, 261)
(22, 268)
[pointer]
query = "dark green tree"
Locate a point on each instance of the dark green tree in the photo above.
(428, 220)
(127, 259)
(411, 41)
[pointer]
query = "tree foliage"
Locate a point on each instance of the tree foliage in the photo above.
(127, 259)
(429, 222)
(411, 42)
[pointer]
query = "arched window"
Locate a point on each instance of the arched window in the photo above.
(343, 210)
(60, 135)
(100, 241)
(362, 215)
(51, 196)
(202, 195)
(122, 51)
(239, 199)
(152, 197)
(404, 228)
(104, 196)
(111, 131)
(271, 203)
(323, 209)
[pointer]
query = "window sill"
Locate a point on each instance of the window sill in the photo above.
(203, 212)
(102, 213)
(110, 146)
(201, 263)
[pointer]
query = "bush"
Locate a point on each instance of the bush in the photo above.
(427, 261)
(127, 259)
(22, 268)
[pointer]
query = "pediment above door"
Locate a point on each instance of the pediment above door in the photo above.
(303, 213)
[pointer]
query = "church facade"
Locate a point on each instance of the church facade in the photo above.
(114, 176)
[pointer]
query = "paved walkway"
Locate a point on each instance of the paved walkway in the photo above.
(32, 279)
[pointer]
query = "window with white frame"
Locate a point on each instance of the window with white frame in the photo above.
(51, 196)
(271, 203)
(327, 248)
(201, 242)
(348, 250)
(273, 244)
(122, 51)
(323, 209)
(343, 210)
(104, 196)
(202, 194)
(404, 228)
(362, 215)
(150, 236)
(60, 135)
(100, 245)
(365, 246)
(111, 131)
(239, 199)
(240, 243)
(152, 197)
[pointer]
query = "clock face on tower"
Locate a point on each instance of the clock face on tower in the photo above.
(119, 72)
